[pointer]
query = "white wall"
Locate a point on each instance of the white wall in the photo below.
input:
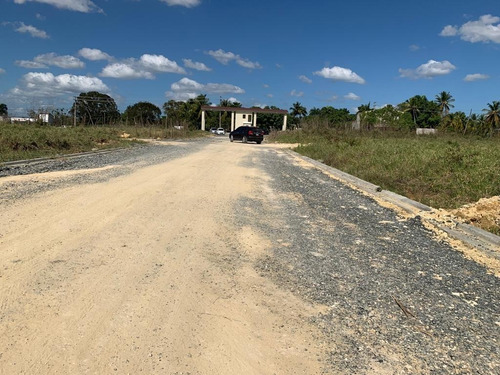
(240, 121)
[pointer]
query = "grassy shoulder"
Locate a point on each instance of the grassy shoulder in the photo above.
(20, 142)
(442, 171)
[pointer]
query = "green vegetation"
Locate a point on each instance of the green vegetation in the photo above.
(94, 108)
(32, 141)
(442, 171)
(4, 111)
(142, 113)
(28, 141)
(459, 165)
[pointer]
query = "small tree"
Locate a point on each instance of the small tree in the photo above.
(492, 118)
(270, 121)
(298, 111)
(4, 111)
(142, 113)
(185, 113)
(425, 113)
(95, 108)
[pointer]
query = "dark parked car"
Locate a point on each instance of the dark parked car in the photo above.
(247, 134)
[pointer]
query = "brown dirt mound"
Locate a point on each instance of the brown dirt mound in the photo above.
(484, 214)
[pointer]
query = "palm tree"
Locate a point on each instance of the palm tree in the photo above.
(492, 117)
(298, 110)
(444, 100)
(364, 108)
(226, 103)
(411, 105)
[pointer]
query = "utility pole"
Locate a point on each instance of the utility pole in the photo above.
(74, 113)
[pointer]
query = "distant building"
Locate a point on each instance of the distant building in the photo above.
(21, 119)
(242, 116)
(46, 118)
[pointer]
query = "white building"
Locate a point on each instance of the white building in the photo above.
(21, 119)
(242, 116)
(46, 118)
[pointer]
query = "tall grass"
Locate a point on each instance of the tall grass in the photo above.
(28, 141)
(442, 171)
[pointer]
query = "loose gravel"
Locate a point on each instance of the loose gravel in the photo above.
(122, 161)
(399, 301)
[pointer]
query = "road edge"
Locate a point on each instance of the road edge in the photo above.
(486, 242)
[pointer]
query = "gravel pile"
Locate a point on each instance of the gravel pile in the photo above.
(399, 301)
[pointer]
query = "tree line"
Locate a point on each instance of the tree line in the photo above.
(416, 112)
(95, 108)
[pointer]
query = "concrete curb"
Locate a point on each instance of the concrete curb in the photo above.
(482, 240)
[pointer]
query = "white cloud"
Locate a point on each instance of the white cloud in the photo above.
(144, 67)
(159, 63)
(414, 47)
(449, 31)
(305, 79)
(49, 86)
(476, 77)
(428, 70)
(184, 3)
(486, 29)
(2, 71)
(66, 61)
(84, 6)
(270, 95)
(296, 93)
(124, 71)
(222, 56)
(30, 64)
(226, 57)
(223, 88)
(338, 73)
(94, 54)
(52, 59)
(248, 64)
(32, 30)
(188, 63)
(352, 96)
(188, 89)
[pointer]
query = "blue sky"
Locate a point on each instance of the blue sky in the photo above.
(259, 52)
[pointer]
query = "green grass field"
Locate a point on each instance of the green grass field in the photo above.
(442, 171)
(19, 142)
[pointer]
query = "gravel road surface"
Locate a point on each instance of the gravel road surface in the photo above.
(211, 257)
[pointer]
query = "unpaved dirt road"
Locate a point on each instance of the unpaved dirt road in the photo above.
(147, 273)
(200, 265)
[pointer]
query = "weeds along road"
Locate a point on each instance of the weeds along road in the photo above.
(211, 257)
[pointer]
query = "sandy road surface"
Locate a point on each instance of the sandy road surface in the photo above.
(145, 274)
(211, 257)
